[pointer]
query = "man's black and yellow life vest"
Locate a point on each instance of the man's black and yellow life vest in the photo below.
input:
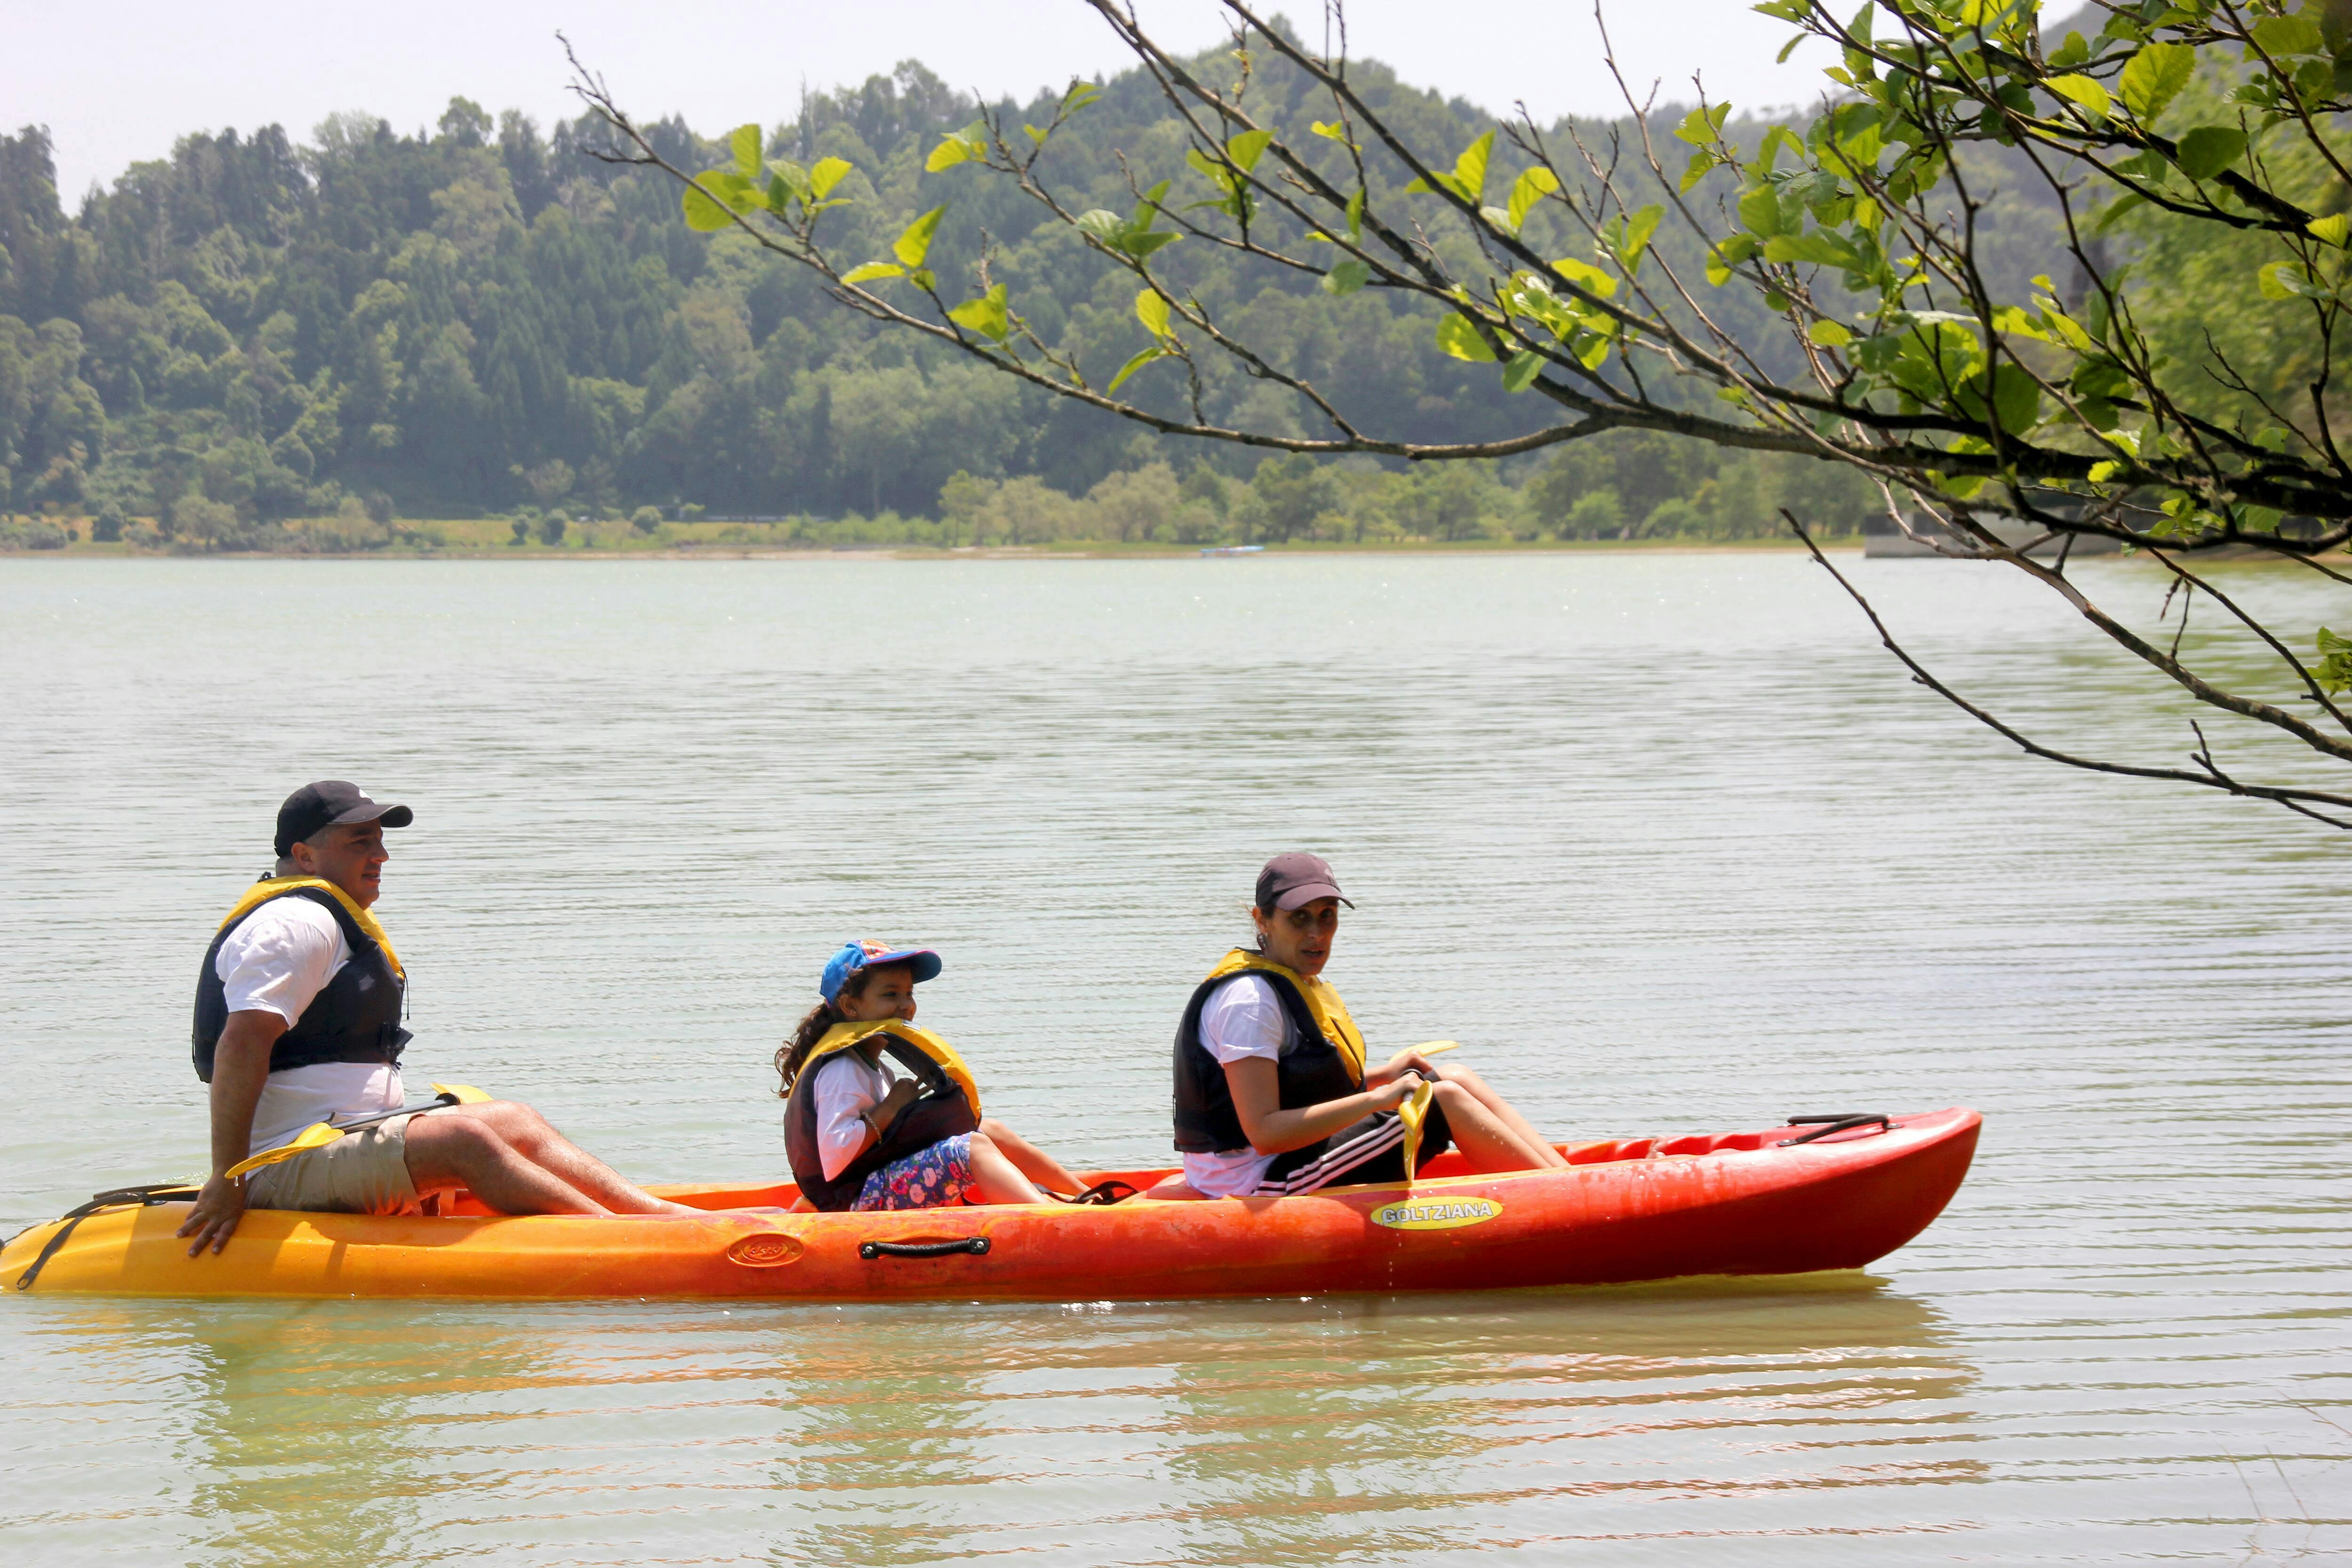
(355, 1017)
(948, 1105)
(1326, 1063)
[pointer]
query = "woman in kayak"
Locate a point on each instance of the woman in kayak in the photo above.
(1274, 1095)
(859, 1137)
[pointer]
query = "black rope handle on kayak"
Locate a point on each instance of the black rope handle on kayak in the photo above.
(870, 1250)
(1823, 1126)
(147, 1196)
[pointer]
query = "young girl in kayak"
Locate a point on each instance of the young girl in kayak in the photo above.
(861, 1138)
(1274, 1095)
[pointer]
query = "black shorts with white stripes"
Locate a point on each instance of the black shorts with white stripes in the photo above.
(1368, 1154)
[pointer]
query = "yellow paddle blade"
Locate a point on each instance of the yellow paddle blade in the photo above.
(317, 1135)
(1431, 1047)
(1412, 1113)
(463, 1093)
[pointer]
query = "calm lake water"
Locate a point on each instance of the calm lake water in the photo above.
(1666, 839)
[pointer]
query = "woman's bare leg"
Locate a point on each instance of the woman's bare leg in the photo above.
(1031, 1161)
(1000, 1181)
(1500, 1109)
(1484, 1139)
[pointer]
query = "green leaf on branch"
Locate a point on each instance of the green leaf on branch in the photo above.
(2288, 280)
(1586, 276)
(1347, 276)
(2016, 399)
(1627, 234)
(1526, 191)
(1247, 148)
(873, 270)
(1142, 358)
(1468, 180)
(987, 315)
(1831, 334)
(2334, 671)
(1702, 127)
(704, 214)
(745, 144)
(1730, 253)
(2332, 231)
(1820, 246)
(2282, 36)
(1458, 337)
(2208, 150)
(1151, 309)
(1760, 211)
(915, 244)
(2084, 92)
(2154, 77)
(969, 145)
(1521, 372)
(1132, 236)
(1332, 133)
(826, 173)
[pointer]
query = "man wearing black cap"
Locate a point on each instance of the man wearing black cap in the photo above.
(299, 1012)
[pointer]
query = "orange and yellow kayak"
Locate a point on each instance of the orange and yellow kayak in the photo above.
(1743, 1202)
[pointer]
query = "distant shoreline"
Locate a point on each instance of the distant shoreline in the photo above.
(1068, 551)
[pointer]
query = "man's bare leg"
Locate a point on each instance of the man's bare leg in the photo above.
(444, 1150)
(1028, 1159)
(1500, 1109)
(527, 1134)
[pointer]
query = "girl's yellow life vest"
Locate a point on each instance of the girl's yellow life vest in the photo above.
(268, 887)
(1323, 1003)
(841, 1036)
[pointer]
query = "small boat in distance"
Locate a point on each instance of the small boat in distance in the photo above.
(1819, 1193)
(1233, 550)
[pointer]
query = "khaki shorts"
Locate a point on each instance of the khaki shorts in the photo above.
(364, 1172)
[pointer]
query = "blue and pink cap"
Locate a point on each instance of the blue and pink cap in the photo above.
(857, 955)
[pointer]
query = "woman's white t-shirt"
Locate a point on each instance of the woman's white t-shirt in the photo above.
(847, 1086)
(278, 959)
(1241, 1018)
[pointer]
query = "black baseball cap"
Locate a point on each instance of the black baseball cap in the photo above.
(1296, 878)
(330, 802)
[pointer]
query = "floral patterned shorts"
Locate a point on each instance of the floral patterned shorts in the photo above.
(931, 1178)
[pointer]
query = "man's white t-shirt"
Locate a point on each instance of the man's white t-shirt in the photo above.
(277, 960)
(1241, 1018)
(847, 1086)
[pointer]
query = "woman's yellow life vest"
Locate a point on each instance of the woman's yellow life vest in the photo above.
(949, 1106)
(1330, 1013)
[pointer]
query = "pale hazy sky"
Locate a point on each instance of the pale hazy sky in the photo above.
(117, 82)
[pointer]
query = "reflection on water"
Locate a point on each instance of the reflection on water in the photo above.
(1665, 839)
(1239, 1433)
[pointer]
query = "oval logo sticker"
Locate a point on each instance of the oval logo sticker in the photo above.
(1436, 1214)
(765, 1249)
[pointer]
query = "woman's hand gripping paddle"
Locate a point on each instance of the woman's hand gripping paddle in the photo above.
(1415, 1110)
(318, 1134)
(1412, 1113)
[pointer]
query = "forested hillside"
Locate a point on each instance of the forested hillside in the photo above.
(484, 318)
